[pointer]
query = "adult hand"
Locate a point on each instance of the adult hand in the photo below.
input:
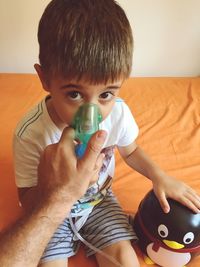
(62, 180)
(62, 177)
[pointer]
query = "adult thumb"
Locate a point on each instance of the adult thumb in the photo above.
(94, 148)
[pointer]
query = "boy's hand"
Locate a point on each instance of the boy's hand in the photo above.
(167, 186)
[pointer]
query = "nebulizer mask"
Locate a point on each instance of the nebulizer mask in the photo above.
(86, 123)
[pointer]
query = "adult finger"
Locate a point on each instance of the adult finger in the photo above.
(93, 149)
(67, 142)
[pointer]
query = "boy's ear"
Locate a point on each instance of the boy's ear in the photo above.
(42, 77)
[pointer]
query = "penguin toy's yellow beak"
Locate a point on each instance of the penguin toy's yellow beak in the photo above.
(173, 244)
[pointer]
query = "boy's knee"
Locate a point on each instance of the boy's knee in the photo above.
(123, 252)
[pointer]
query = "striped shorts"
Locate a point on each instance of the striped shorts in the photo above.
(106, 225)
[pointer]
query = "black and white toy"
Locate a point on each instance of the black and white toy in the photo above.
(167, 239)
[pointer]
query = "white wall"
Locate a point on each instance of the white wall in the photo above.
(166, 33)
(167, 36)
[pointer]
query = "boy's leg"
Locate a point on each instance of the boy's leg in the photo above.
(55, 263)
(108, 229)
(122, 252)
(60, 247)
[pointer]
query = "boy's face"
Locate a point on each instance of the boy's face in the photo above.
(68, 95)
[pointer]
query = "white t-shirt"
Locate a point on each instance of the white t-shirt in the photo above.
(37, 130)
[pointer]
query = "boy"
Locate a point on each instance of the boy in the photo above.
(85, 55)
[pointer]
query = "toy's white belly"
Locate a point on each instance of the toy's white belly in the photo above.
(167, 258)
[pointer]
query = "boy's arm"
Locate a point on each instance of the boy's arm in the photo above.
(137, 159)
(163, 184)
(26, 154)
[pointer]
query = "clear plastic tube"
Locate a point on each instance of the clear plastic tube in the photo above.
(111, 259)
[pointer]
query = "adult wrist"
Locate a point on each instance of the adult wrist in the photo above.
(54, 210)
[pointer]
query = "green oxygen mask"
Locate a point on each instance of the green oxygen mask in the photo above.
(86, 123)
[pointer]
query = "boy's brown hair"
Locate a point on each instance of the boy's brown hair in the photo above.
(85, 38)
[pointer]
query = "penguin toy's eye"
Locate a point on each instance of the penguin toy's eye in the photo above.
(163, 231)
(188, 238)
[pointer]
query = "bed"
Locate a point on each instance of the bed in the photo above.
(167, 111)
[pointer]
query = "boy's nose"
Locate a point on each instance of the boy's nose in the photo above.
(92, 101)
(88, 117)
(91, 109)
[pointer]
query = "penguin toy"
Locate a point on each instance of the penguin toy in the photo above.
(167, 239)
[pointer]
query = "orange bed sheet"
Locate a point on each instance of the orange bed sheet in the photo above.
(167, 111)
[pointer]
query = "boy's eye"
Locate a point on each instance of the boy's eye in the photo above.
(74, 95)
(107, 95)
